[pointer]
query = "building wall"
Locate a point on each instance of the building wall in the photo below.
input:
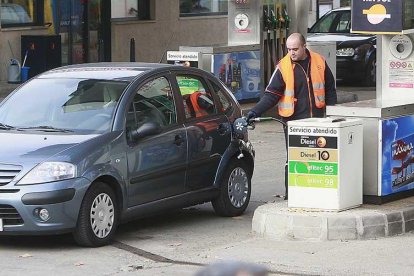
(12, 36)
(167, 32)
(152, 38)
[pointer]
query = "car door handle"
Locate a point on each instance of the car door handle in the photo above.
(178, 140)
(222, 129)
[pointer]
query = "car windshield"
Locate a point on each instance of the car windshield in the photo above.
(75, 105)
(334, 22)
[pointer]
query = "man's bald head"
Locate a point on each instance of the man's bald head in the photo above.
(296, 46)
(297, 36)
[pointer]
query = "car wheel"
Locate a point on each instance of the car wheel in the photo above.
(371, 72)
(98, 217)
(235, 189)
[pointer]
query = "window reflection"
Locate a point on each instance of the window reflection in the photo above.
(202, 7)
(17, 12)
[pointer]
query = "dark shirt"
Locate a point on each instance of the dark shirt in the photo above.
(305, 105)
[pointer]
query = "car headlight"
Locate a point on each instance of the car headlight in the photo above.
(345, 52)
(49, 172)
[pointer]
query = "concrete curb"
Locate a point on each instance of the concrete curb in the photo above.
(277, 221)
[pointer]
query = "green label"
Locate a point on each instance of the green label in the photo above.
(313, 181)
(187, 86)
(303, 167)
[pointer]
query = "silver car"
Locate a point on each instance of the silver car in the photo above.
(86, 147)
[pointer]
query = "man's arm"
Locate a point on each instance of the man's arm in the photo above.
(272, 95)
(330, 90)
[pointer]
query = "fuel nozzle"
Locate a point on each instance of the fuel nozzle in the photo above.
(286, 18)
(267, 22)
(274, 19)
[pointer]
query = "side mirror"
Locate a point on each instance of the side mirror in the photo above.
(146, 129)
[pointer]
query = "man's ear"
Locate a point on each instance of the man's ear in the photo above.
(304, 45)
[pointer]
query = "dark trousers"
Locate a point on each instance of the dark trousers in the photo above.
(285, 130)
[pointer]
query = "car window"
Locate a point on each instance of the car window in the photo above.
(197, 100)
(224, 100)
(324, 24)
(153, 102)
(344, 23)
(334, 22)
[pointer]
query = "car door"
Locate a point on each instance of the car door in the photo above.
(156, 163)
(208, 130)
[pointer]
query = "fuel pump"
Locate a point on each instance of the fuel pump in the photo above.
(286, 21)
(271, 44)
(266, 42)
(255, 33)
(275, 25)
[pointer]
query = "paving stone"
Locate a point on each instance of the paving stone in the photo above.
(306, 233)
(409, 226)
(258, 222)
(341, 222)
(395, 228)
(342, 234)
(373, 226)
(306, 227)
(408, 214)
(306, 221)
(342, 228)
(394, 217)
(371, 232)
(395, 224)
(373, 220)
(276, 226)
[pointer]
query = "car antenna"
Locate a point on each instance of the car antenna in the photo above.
(11, 49)
(166, 47)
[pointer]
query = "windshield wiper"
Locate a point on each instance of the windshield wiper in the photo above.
(4, 126)
(46, 129)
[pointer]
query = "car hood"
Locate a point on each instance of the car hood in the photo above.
(20, 148)
(356, 39)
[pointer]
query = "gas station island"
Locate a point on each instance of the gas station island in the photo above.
(369, 157)
(257, 32)
(388, 120)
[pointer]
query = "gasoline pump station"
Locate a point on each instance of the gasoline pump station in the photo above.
(363, 151)
(388, 120)
(257, 31)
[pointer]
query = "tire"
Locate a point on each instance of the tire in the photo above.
(235, 190)
(98, 217)
(370, 72)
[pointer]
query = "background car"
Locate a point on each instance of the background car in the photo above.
(86, 147)
(355, 53)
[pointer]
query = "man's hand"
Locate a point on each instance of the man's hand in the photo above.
(251, 115)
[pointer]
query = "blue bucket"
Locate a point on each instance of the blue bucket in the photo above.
(25, 73)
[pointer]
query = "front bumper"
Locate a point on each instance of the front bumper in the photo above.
(62, 199)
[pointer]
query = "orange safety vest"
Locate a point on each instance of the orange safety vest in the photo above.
(286, 104)
(199, 112)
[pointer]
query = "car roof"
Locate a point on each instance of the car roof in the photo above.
(126, 71)
(342, 9)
